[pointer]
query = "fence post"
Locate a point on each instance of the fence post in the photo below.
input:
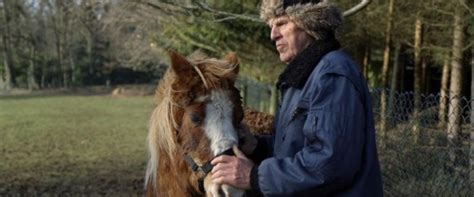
(273, 100)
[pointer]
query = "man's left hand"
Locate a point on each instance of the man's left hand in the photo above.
(232, 170)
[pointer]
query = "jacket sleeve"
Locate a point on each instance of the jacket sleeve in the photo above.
(334, 141)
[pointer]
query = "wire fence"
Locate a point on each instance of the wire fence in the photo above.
(424, 146)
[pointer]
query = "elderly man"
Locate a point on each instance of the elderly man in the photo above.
(324, 139)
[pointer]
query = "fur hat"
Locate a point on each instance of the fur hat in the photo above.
(318, 18)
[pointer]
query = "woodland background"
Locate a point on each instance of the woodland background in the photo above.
(69, 67)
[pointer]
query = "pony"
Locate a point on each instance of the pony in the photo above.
(198, 116)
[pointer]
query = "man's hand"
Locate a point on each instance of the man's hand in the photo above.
(232, 170)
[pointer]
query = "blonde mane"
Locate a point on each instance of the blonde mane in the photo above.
(162, 125)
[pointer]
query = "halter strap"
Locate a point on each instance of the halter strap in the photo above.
(206, 168)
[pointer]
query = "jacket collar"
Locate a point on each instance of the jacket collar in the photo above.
(300, 68)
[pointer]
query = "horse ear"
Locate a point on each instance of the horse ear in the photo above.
(234, 61)
(180, 65)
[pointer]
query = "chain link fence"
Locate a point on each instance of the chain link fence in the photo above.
(423, 145)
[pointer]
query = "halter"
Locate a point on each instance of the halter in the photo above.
(206, 168)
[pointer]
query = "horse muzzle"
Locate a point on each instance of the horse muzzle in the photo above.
(205, 183)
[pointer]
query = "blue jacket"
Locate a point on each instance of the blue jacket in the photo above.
(324, 142)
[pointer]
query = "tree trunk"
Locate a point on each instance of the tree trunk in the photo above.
(388, 43)
(60, 62)
(472, 120)
(395, 68)
(393, 85)
(60, 31)
(385, 68)
(425, 85)
(454, 120)
(418, 69)
(7, 47)
(455, 110)
(418, 78)
(2, 82)
(59, 51)
(443, 95)
(43, 78)
(68, 64)
(32, 84)
(90, 57)
(366, 61)
(72, 65)
(7, 65)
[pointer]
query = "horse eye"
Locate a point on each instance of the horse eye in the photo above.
(191, 95)
(196, 119)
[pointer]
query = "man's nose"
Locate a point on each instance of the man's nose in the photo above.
(275, 33)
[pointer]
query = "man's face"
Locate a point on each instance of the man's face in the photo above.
(289, 39)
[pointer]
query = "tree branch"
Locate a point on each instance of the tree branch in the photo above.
(167, 8)
(464, 4)
(357, 8)
(206, 7)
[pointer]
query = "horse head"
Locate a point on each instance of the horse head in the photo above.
(197, 117)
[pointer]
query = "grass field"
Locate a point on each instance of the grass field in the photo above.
(73, 145)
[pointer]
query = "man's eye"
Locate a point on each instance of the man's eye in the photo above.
(280, 23)
(196, 119)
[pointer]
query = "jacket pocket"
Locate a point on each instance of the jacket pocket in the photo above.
(294, 123)
(309, 130)
(301, 109)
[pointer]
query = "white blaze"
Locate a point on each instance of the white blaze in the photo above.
(218, 122)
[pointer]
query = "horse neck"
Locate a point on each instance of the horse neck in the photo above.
(175, 177)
